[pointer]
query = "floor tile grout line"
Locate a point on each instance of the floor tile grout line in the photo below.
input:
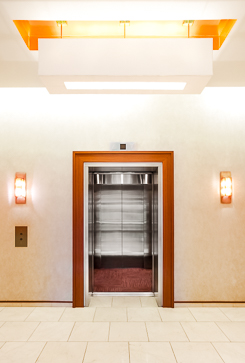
(173, 351)
(39, 322)
(192, 314)
(160, 315)
(3, 345)
(224, 314)
(41, 352)
(62, 314)
(30, 313)
(109, 331)
(95, 310)
(27, 315)
(85, 352)
(147, 332)
(217, 351)
(127, 314)
(128, 352)
(122, 341)
(184, 330)
(215, 322)
(71, 331)
(18, 320)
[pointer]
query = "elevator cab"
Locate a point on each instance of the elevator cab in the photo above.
(122, 234)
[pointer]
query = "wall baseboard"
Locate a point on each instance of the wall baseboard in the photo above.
(9, 303)
(34, 301)
(209, 302)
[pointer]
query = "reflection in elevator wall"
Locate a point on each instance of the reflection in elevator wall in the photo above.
(123, 231)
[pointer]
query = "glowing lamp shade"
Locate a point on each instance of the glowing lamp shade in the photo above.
(20, 188)
(225, 187)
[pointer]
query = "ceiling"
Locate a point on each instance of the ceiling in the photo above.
(19, 65)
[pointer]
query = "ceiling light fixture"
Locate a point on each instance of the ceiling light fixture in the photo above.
(188, 22)
(124, 22)
(144, 66)
(61, 23)
(155, 86)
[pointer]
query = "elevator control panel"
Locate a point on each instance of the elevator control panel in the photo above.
(21, 236)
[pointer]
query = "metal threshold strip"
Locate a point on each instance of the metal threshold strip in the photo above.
(122, 294)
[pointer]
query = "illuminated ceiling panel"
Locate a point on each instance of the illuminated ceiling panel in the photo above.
(31, 31)
(125, 66)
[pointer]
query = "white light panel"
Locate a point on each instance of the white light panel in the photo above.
(164, 86)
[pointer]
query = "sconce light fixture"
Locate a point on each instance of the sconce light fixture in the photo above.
(20, 188)
(225, 187)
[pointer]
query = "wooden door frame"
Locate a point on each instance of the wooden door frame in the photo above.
(167, 160)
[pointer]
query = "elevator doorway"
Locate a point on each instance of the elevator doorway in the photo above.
(124, 249)
(82, 161)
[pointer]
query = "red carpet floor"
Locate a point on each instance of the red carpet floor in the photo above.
(122, 280)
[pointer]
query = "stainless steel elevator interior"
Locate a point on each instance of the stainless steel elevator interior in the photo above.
(122, 233)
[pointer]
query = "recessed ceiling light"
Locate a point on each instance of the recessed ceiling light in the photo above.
(154, 86)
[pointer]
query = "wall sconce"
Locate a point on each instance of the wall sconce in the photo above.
(20, 188)
(225, 187)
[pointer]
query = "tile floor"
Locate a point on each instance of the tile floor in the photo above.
(122, 330)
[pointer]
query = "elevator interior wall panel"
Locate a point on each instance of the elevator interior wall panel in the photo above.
(147, 225)
(90, 232)
(107, 223)
(132, 221)
(155, 234)
(122, 220)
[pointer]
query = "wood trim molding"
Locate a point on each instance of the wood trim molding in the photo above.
(209, 302)
(167, 160)
(35, 301)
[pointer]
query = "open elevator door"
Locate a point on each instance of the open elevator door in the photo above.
(123, 232)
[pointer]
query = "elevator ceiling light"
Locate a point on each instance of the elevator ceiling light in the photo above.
(164, 86)
(225, 187)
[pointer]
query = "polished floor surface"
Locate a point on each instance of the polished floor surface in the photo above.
(122, 330)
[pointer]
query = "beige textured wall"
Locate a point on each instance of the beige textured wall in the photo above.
(38, 133)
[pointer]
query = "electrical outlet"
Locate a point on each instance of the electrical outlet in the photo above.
(21, 236)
